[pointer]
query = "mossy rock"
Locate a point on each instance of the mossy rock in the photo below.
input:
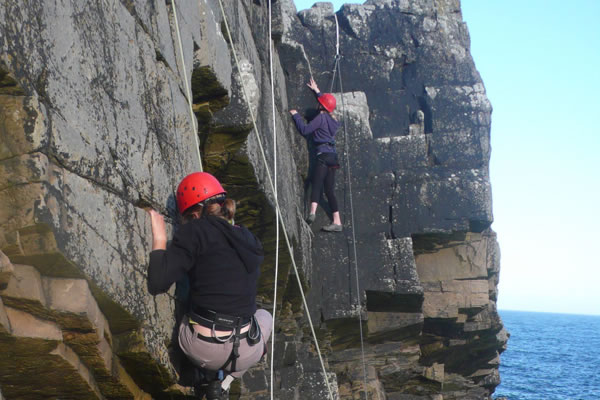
(8, 85)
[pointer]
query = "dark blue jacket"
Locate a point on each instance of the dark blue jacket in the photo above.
(323, 127)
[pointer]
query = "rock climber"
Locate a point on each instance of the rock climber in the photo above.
(323, 128)
(223, 333)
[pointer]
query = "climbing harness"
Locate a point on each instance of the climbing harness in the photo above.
(337, 68)
(222, 322)
(272, 186)
(214, 384)
(188, 92)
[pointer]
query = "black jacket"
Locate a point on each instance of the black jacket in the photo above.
(221, 260)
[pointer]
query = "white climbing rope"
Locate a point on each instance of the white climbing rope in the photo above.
(262, 152)
(188, 92)
(337, 68)
(337, 35)
(358, 296)
(275, 195)
(337, 52)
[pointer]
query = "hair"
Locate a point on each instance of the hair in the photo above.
(225, 210)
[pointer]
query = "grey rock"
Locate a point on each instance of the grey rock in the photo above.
(315, 16)
(212, 49)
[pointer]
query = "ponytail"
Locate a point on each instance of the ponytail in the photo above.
(225, 210)
(228, 209)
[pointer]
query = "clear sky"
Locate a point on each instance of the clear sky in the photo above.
(540, 63)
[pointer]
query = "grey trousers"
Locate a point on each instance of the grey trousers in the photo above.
(212, 356)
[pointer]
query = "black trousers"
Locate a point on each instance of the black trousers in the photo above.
(324, 176)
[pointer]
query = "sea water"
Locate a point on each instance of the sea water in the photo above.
(550, 357)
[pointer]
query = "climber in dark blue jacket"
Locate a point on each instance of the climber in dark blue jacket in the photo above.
(323, 128)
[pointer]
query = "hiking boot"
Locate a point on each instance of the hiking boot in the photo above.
(332, 228)
(311, 218)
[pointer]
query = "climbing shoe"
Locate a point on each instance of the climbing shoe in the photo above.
(311, 218)
(332, 228)
(212, 390)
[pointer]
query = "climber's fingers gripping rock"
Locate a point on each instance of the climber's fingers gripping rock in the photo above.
(159, 231)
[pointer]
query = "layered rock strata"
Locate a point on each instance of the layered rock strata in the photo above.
(95, 126)
(53, 330)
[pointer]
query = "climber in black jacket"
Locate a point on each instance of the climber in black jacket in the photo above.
(222, 330)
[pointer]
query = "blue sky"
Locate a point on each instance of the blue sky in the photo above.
(540, 63)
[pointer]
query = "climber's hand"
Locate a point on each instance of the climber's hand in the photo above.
(293, 112)
(159, 232)
(313, 85)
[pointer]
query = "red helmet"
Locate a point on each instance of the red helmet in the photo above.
(327, 101)
(195, 188)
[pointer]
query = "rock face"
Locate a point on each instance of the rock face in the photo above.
(95, 125)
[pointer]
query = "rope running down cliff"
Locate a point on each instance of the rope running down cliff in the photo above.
(188, 92)
(337, 68)
(274, 194)
(287, 240)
